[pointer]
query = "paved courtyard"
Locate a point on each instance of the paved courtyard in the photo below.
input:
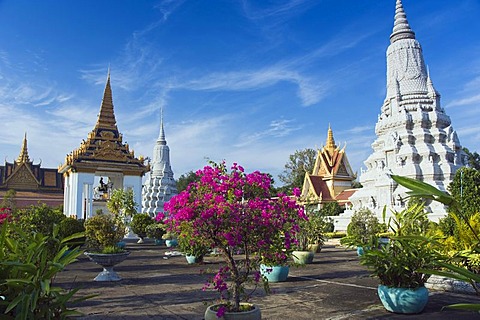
(334, 287)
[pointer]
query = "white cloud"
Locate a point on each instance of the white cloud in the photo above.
(465, 101)
(288, 8)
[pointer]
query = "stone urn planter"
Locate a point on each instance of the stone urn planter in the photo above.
(254, 314)
(303, 257)
(274, 273)
(107, 261)
(403, 300)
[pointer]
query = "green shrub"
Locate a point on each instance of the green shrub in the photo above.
(335, 235)
(27, 273)
(155, 230)
(70, 226)
(102, 231)
(140, 222)
(40, 218)
(362, 229)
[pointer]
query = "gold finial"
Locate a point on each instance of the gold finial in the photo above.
(330, 141)
(23, 157)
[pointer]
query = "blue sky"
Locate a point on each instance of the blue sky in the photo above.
(245, 81)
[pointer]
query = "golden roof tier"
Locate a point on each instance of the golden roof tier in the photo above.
(104, 145)
(331, 174)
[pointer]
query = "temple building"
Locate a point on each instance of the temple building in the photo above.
(331, 178)
(101, 164)
(414, 135)
(32, 183)
(160, 186)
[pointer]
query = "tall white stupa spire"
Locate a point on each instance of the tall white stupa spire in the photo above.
(401, 28)
(415, 137)
(160, 186)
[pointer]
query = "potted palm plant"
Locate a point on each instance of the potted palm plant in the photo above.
(102, 233)
(450, 268)
(229, 210)
(400, 263)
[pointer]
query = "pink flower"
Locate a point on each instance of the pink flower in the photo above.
(221, 311)
(232, 211)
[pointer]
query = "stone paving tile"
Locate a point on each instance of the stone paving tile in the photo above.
(334, 287)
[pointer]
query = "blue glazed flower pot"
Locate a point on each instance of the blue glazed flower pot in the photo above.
(159, 242)
(274, 273)
(360, 251)
(403, 300)
(171, 243)
(193, 259)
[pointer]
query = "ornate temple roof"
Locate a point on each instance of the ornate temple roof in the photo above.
(104, 146)
(24, 176)
(331, 173)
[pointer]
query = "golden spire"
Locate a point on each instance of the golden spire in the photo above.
(330, 145)
(23, 156)
(106, 118)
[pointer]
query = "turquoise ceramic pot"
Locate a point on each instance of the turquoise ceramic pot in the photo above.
(360, 251)
(403, 300)
(159, 242)
(171, 243)
(274, 273)
(193, 259)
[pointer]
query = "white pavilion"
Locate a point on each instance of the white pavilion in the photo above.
(101, 163)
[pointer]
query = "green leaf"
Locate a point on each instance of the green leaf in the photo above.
(465, 306)
(422, 189)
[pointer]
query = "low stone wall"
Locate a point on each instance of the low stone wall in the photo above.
(439, 283)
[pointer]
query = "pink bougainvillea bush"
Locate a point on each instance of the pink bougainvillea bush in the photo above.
(5, 214)
(232, 211)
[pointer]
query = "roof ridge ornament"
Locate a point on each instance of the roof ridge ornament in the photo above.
(401, 28)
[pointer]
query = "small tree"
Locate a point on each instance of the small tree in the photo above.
(465, 189)
(299, 163)
(362, 229)
(232, 210)
(185, 179)
(473, 159)
(122, 203)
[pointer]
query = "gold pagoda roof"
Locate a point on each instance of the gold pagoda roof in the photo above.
(104, 145)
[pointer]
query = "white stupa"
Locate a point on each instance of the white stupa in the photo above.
(160, 186)
(415, 137)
